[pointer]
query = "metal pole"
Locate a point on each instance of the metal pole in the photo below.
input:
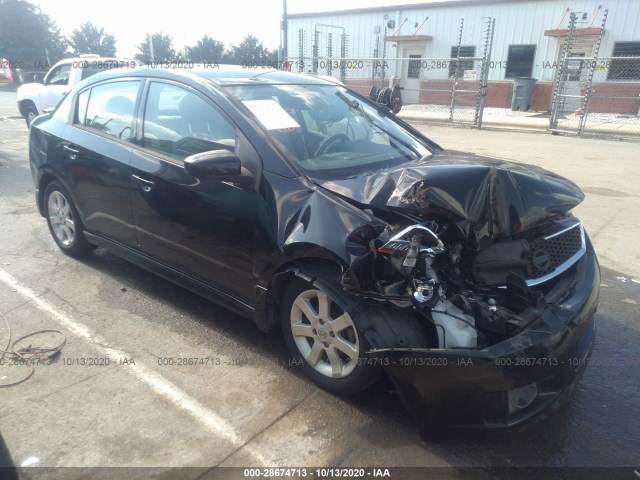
(560, 73)
(484, 77)
(150, 38)
(384, 54)
(455, 74)
(329, 54)
(301, 50)
(316, 50)
(584, 111)
(283, 51)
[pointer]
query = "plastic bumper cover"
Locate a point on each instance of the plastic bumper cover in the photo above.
(494, 387)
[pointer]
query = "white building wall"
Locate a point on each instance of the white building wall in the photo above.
(516, 23)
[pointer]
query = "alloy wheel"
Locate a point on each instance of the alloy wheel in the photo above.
(324, 334)
(61, 218)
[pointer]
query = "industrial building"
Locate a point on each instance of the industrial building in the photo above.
(419, 47)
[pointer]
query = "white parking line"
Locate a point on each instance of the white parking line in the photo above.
(158, 383)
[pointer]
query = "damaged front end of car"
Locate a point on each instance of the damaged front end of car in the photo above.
(479, 301)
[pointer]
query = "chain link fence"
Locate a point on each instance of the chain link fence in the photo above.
(445, 89)
(613, 106)
(442, 89)
(450, 90)
(585, 94)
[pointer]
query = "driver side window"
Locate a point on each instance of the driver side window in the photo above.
(179, 123)
(59, 76)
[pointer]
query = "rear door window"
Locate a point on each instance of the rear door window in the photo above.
(109, 108)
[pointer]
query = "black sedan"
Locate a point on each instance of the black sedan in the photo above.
(7, 468)
(302, 205)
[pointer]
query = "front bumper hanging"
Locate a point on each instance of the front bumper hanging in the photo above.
(509, 382)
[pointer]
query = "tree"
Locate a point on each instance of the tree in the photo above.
(162, 49)
(58, 43)
(28, 37)
(251, 51)
(88, 39)
(206, 50)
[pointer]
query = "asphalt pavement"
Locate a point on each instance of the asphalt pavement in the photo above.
(121, 394)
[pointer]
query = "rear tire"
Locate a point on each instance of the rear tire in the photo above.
(64, 222)
(325, 340)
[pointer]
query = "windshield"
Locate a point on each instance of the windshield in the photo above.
(329, 132)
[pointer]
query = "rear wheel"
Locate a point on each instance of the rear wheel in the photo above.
(325, 340)
(64, 222)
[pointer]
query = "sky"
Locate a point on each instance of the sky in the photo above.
(188, 20)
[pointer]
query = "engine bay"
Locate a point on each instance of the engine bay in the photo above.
(466, 297)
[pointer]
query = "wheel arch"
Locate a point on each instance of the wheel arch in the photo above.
(384, 326)
(24, 103)
(45, 178)
(325, 276)
(306, 268)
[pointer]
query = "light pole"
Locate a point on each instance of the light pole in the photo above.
(150, 37)
(282, 51)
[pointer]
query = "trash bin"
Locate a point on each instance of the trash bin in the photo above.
(522, 91)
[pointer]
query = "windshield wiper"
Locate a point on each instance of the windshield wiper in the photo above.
(355, 105)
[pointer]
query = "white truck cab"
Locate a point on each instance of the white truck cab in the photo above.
(35, 98)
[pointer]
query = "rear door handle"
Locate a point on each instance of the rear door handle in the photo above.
(145, 185)
(72, 152)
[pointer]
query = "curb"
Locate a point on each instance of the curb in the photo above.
(531, 125)
(526, 125)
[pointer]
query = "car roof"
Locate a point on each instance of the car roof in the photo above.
(223, 75)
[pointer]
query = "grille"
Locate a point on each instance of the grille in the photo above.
(555, 253)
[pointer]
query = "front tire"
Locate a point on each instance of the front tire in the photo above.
(325, 340)
(30, 113)
(64, 222)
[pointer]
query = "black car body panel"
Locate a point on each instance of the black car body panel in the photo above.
(471, 388)
(488, 198)
(99, 175)
(8, 469)
(444, 255)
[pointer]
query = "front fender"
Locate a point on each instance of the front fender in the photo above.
(29, 93)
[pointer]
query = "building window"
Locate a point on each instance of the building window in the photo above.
(457, 69)
(574, 67)
(626, 68)
(414, 66)
(520, 61)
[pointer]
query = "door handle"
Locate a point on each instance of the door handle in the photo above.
(72, 152)
(145, 185)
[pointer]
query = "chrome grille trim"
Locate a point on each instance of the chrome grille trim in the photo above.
(567, 263)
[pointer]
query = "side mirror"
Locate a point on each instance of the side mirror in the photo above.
(220, 165)
(38, 78)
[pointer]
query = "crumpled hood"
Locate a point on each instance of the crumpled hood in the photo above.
(487, 198)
